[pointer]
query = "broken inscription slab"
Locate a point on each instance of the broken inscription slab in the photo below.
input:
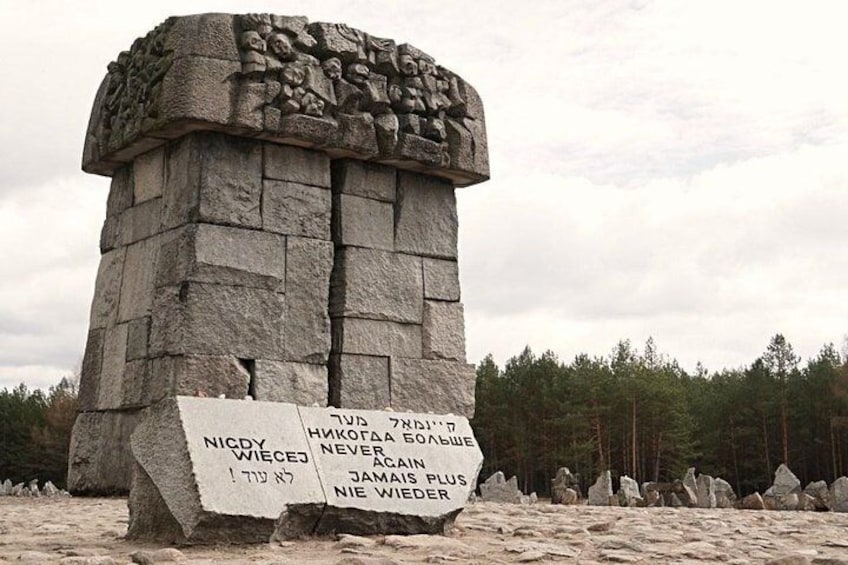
(208, 467)
(381, 470)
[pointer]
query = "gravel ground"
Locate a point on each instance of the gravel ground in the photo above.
(89, 531)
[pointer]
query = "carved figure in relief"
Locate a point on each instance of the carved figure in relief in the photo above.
(293, 74)
(349, 71)
(319, 70)
(375, 99)
(261, 23)
(343, 79)
(332, 68)
(357, 73)
(253, 52)
(281, 47)
(435, 129)
(295, 26)
(348, 96)
(312, 105)
(407, 65)
(292, 93)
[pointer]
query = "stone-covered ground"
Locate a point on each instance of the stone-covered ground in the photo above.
(90, 531)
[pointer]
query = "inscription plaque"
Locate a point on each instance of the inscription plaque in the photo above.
(420, 464)
(249, 457)
(205, 465)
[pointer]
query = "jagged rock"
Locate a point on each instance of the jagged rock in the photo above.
(784, 491)
(684, 493)
(497, 489)
(628, 494)
(600, 493)
(50, 489)
(785, 482)
(165, 555)
(752, 502)
(653, 498)
(33, 488)
(725, 497)
(706, 491)
(569, 496)
(806, 503)
(690, 481)
(785, 502)
(17, 490)
(838, 495)
(817, 490)
(6, 488)
(532, 498)
(563, 481)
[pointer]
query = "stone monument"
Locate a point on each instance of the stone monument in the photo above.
(281, 223)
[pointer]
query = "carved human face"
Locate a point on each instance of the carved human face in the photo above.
(312, 105)
(436, 129)
(426, 67)
(280, 46)
(357, 73)
(264, 27)
(407, 65)
(293, 75)
(332, 68)
(395, 93)
(253, 41)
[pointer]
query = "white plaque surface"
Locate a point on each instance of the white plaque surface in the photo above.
(402, 463)
(249, 458)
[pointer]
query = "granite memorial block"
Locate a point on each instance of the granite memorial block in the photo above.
(281, 223)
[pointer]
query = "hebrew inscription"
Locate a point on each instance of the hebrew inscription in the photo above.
(386, 462)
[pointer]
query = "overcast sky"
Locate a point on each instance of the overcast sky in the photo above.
(669, 169)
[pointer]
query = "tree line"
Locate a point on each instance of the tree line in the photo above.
(35, 432)
(638, 413)
(635, 412)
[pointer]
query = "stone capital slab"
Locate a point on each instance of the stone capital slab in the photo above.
(317, 85)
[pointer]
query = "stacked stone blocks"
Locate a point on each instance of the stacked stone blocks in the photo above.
(214, 281)
(398, 334)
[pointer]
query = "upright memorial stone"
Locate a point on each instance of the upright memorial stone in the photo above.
(281, 223)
